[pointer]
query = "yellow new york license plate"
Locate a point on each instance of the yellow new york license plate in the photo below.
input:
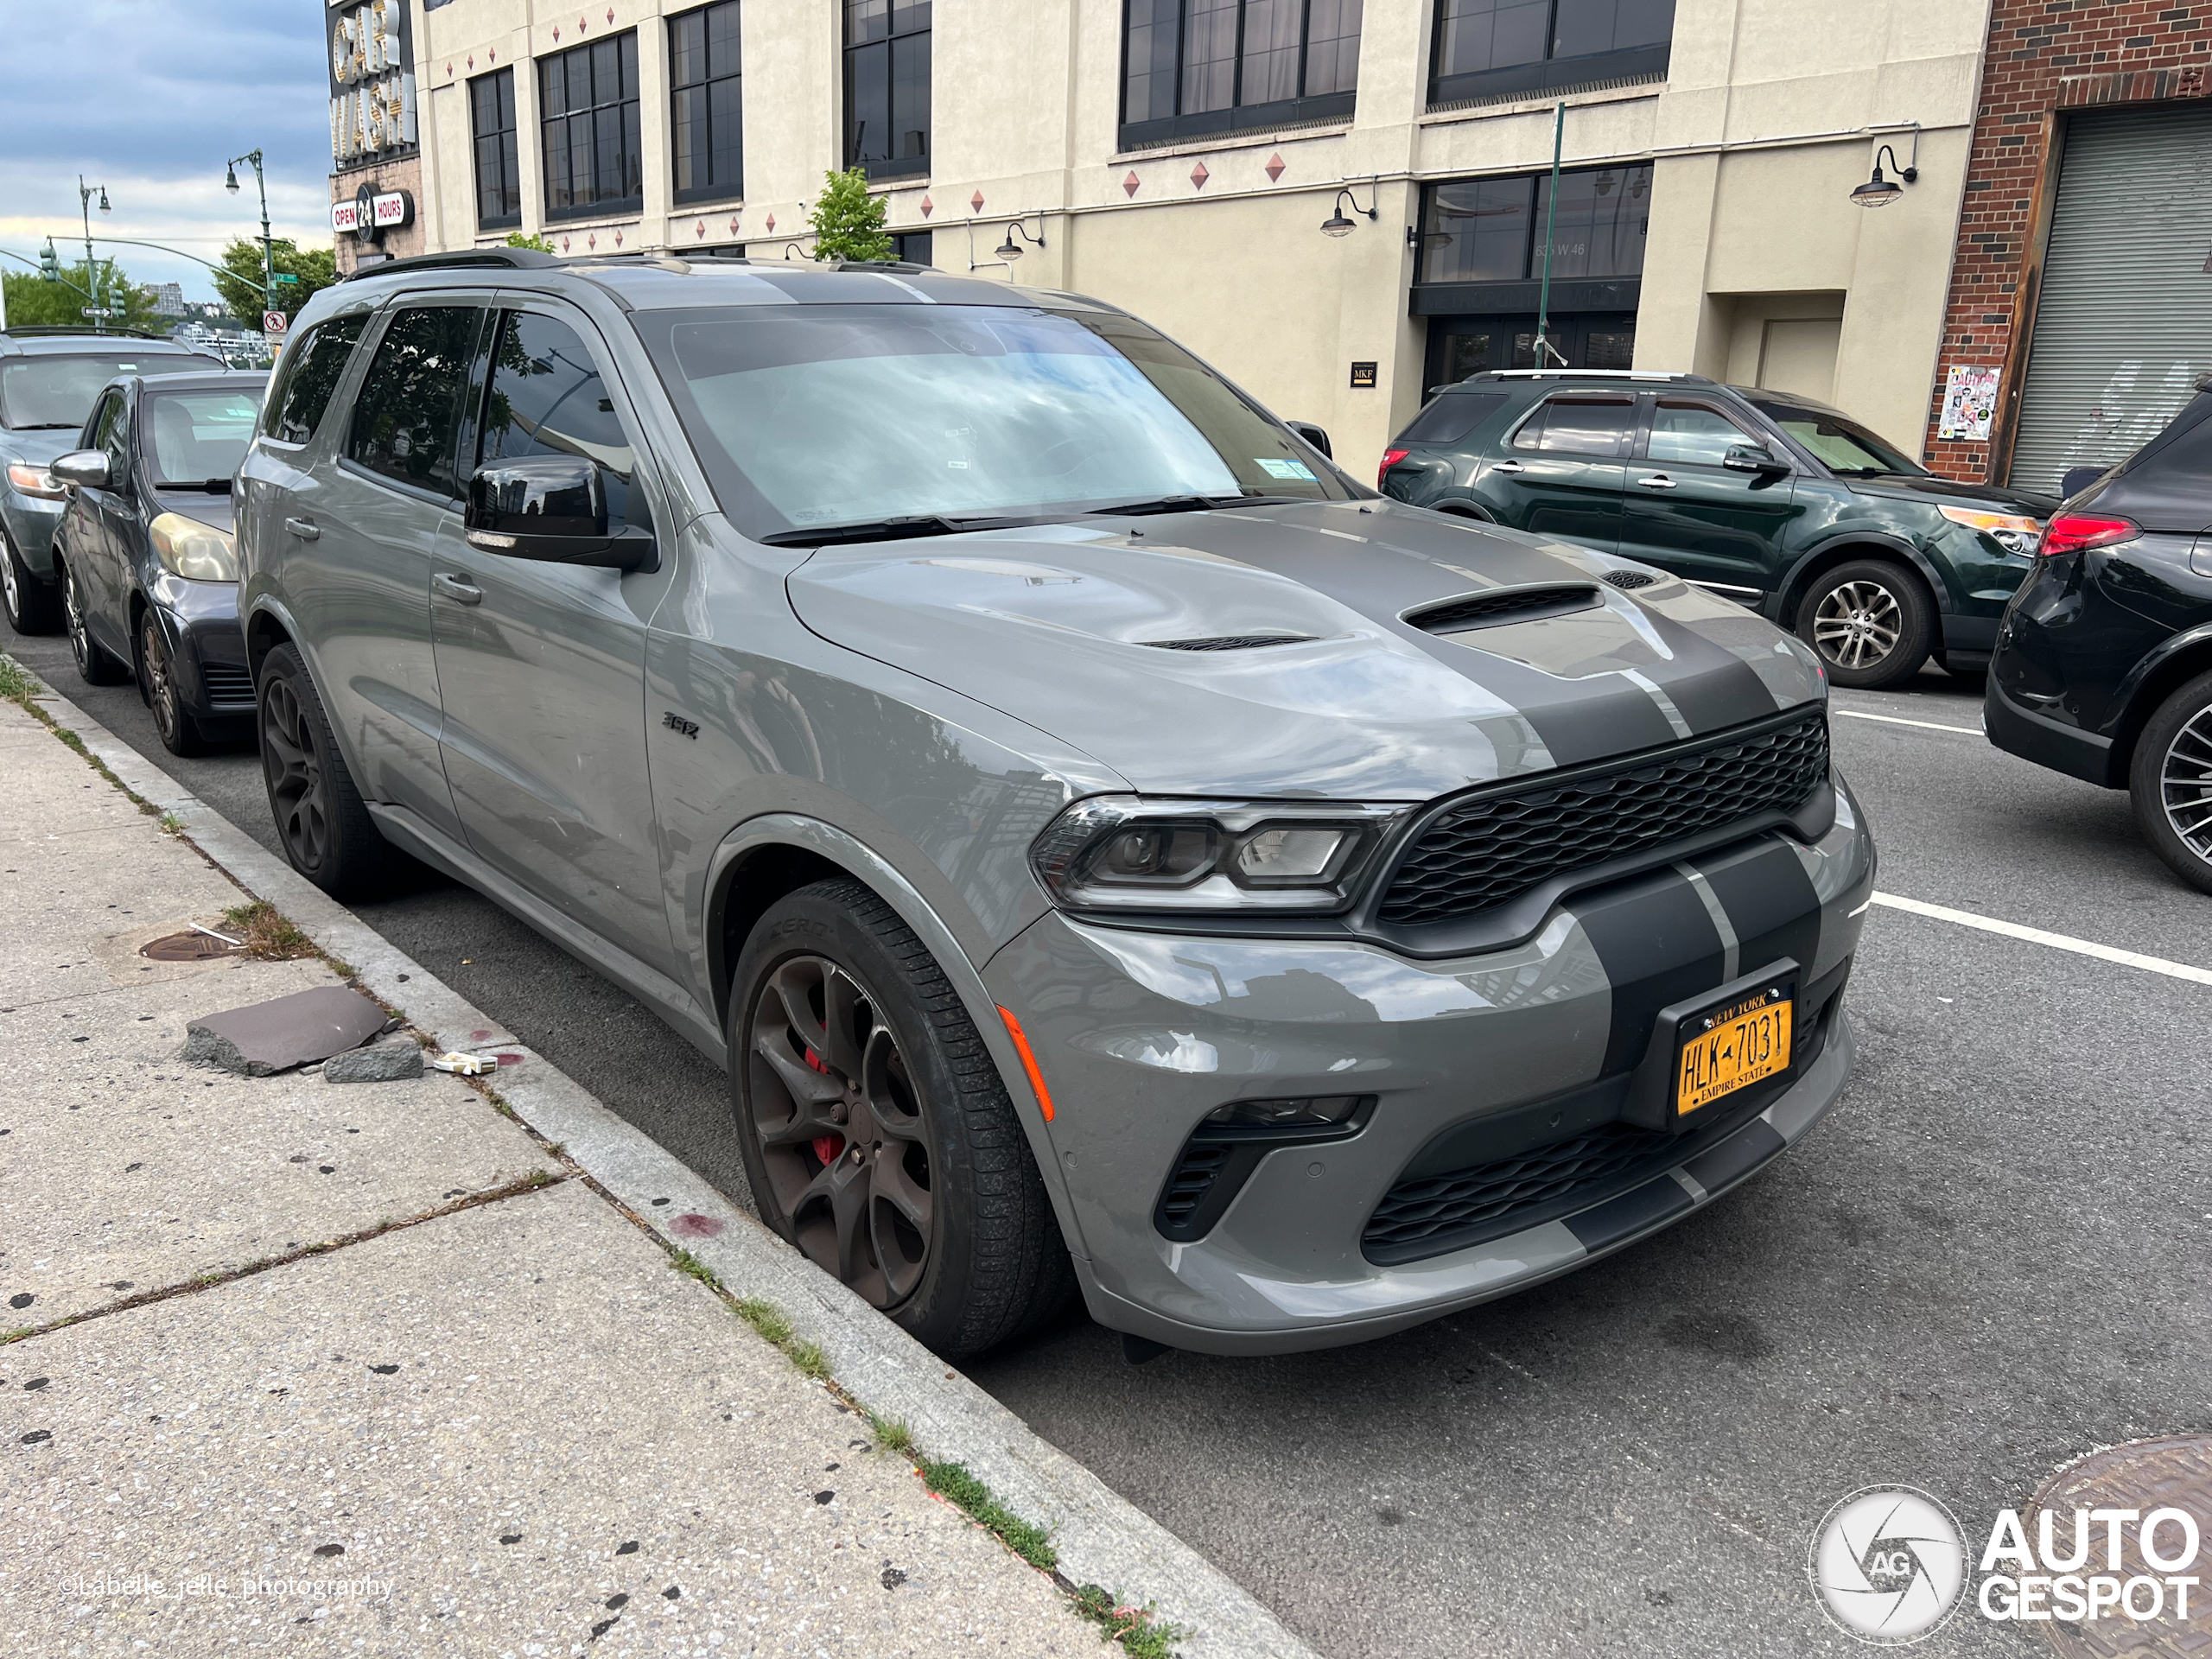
(1732, 1046)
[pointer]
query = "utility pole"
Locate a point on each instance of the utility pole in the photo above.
(85, 193)
(267, 248)
(1544, 347)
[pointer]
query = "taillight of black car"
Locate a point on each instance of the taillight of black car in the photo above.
(2069, 532)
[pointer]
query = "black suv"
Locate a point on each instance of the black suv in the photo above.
(2104, 662)
(1783, 504)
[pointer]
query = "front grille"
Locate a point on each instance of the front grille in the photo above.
(1231, 641)
(1507, 605)
(1496, 845)
(227, 681)
(1425, 1218)
(1195, 1172)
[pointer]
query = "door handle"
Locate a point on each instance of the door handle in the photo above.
(1657, 481)
(1508, 467)
(458, 588)
(305, 528)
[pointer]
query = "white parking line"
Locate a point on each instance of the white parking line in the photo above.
(1899, 720)
(2055, 940)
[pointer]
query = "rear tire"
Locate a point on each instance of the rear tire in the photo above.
(878, 1135)
(327, 831)
(1869, 621)
(2170, 782)
(32, 607)
(94, 666)
(179, 731)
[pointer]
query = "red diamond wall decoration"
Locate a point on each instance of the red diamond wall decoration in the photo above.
(732, 224)
(700, 230)
(976, 201)
(564, 244)
(610, 14)
(928, 206)
(772, 222)
(1198, 176)
(617, 238)
(450, 67)
(1274, 169)
(1129, 185)
(557, 31)
(493, 56)
(582, 25)
(592, 241)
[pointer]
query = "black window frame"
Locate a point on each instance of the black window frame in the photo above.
(465, 398)
(896, 167)
(508, 141)
(1301, 110)
(297, 357)
(1538, 418)
(1609, 291)
(1544, 74)
(716, 189)
(628, 115)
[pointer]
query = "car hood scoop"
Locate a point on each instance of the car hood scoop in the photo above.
(1287, 650)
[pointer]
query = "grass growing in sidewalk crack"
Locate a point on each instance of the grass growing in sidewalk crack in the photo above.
(1133, 1627)
(269, 934)
(953, 1482)
(687, 1262)
(170, 825)
(15, 685)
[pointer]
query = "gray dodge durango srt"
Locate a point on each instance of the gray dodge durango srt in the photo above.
(1110, 849)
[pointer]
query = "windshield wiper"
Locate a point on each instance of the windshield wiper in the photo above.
(47, 426)
(885, 529)
(1190, 504)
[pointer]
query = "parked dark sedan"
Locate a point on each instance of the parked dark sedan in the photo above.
(1776, 502)
(149, 571)
(2104, 661)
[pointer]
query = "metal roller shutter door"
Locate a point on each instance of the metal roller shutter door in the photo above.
(2124, 325)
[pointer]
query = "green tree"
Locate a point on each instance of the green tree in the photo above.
(239, 283)
(516, 239)
(33, 300)
(847, 222)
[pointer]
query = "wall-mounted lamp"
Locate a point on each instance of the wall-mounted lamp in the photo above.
(1880, 192)
(799, 246)
(1336, 224)
(1009, 249)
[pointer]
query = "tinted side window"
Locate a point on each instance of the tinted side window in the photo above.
(1580, 426)
(1452, 416)
(1693, 434)
(296, 407)
(548, 398)
(407, 417)
(113, 434)
(99, 426)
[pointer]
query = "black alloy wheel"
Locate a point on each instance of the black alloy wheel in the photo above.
(180, 733)
(1869, 621)
(94, 666)
(2170, 782)
(327, 831)
(27, 601)
(877, 1134)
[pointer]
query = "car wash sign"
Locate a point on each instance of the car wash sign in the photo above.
(371, 80)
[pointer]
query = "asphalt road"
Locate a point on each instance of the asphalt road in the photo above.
(1989, 1259)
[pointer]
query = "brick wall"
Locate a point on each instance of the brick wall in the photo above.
(2044, 57)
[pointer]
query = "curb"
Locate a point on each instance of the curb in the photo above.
(1101, 1536)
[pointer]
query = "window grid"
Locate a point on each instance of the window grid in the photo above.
(887, 86)
(498, 166)
(1492, 230)
(1475, 38)
(1200, 57)
(707, 117)
(587, 98)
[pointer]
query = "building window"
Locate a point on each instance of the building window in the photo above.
(499, 173)
(708, 113)
(1486, 47)
(887, 86)
(913, 247)
(588, 100)
(1191, 67)
(1492, 230)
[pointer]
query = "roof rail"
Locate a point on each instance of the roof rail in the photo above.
(459, 259)
(33, 330)
(1607, 374)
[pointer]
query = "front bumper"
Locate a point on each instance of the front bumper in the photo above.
(199, 620)
(31, 521)
(1470, 1060)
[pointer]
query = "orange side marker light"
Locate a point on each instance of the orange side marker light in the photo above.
(1028, 1062)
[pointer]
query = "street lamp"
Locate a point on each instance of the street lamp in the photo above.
(85, 195)
(267, 249)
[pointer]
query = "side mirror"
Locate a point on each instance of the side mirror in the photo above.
(1752, 458)
(551, 508)
(86, 469)
(1312, 435)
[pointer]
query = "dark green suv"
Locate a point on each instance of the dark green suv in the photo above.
(1785, 504)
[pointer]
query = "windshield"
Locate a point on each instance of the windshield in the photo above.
(814, 417)
(196, 437)
(1839, 441)
(59, 391)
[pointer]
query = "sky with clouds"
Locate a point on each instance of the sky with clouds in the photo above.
(150, 98)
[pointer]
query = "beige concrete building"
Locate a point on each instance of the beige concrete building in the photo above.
(1180, 157)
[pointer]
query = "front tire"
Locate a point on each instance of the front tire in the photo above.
(2170, 782)
(327, 831)
(1870, 622)
(32, 607)
(94, 666)
(877, 1135)
(179, 732)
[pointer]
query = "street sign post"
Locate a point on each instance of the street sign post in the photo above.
(272, 323)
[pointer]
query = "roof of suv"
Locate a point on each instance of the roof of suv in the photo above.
(24, 342)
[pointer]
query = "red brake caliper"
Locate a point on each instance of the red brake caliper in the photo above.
(826, 1147)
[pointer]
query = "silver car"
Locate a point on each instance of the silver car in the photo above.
(1110, 849)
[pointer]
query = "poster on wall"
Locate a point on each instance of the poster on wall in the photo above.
(1969, 401)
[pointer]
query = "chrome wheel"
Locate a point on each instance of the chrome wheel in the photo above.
(838, 1122)
(2185, 783)
(1858, 623)
(299, 791)
(160, 684)
(73, 612)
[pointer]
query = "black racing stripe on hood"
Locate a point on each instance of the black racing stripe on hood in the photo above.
(1710, 685)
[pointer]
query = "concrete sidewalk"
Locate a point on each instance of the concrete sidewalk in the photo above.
(369, 1369)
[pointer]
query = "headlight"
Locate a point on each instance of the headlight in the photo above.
(2015, 532)
(195, 551)
(35, 480)
(1117, 852)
